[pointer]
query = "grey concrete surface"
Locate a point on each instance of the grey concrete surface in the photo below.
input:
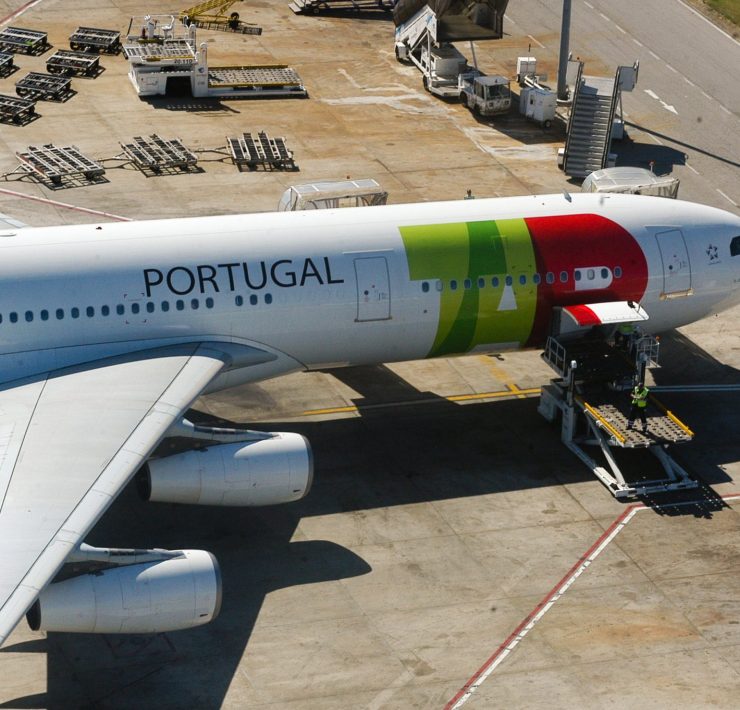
(437, 522)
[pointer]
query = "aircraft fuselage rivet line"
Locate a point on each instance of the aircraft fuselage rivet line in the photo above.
(584, 562)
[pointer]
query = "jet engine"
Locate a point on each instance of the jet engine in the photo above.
(272, 470)
(176, 593)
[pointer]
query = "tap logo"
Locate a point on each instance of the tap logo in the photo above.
(713, 253)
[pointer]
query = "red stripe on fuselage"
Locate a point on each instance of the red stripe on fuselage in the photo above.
(583, 315)
(567, 242)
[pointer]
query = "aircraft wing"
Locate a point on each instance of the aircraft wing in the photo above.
(70, 440)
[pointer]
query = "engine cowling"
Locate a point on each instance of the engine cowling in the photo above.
(264, 472)
(177, 593)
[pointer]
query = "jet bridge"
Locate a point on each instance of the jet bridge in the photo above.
(592, 396)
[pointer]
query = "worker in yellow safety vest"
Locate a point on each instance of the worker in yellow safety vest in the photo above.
(639, 404)
(624, 336)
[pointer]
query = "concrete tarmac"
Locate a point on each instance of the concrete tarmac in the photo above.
(450, 538)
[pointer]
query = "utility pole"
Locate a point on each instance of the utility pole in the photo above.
(564, 48)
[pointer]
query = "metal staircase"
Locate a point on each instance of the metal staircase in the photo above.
(590, 124)
(597, 101)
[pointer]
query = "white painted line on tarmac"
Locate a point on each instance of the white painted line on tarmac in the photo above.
(515, 638)
(537, 42)
(506, 648)
(725, 109)
(651, 94)
(729, 199)
(624, 32)
(19, 12)
(653, 55)
(608, 19)
(693, 170)
(673, 69)
(637, 42)
(708, 21)
(688, 81)
(588, 4)
(667, 107)
(64, 205)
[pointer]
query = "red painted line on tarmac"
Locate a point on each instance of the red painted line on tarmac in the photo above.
(65, 205)
(464, 694)
(19, 11)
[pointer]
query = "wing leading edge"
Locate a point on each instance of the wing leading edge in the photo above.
(69, 442)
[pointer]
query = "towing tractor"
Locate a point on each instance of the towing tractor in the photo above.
(485, 95)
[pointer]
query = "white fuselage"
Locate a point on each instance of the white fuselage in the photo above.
(338, 287)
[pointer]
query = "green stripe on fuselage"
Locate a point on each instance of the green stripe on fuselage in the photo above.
(473, 250)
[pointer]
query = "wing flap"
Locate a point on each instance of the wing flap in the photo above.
(79, 435)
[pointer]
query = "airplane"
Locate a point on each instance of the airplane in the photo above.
(110, 331)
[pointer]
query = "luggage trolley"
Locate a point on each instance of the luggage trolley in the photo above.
(19, 39)
(63, 61)
(95, 39)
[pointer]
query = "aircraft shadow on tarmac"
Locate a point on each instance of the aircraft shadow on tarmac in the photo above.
(388, 456)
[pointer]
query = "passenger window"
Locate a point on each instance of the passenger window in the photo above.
(74, 312)
(495, 281)
(239, 300)
(165, 305)
(523, 279)
(577, 275)
(180, 304)
(425, 286)
(90, 311)
(481, 282)
(13, 317)
(563, 277)
(253, 299)
(453, 285)
(29, 316)
(550, 277)
(590, 274)
(536, 279)
(440, 285)
(150, 307)
(194, 304)
(509, 280)
(104, 311)
(134, 308)
(209, 303)
(44, 315)
(467, 284)
(617, 272)
(120, 309)
(268, 298)
(735, 246)
(60, 313)
(605, 274)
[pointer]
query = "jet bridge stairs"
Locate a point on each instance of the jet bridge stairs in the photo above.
(591, 394)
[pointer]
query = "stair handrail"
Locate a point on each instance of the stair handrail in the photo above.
(573, 108)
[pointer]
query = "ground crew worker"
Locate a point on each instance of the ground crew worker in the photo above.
(624, 335)
(469, 195)
(639, 403)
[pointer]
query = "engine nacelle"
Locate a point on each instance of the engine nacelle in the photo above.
(264, 472)
(177, 593)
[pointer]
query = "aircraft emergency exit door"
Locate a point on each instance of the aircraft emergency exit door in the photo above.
(373, 288)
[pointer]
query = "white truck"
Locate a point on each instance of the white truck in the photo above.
(485, 95)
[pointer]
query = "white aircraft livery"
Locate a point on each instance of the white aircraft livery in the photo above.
(109, 332)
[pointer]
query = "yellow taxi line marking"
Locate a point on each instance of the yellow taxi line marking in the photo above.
(513, 391)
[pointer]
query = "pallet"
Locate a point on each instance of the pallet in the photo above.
(16, 110)
(65, 62)
(54, 164)
(157, 156)
(7, 64)
(315, 6)
(19, 39)
(94, 39)
(248, 152)
(45, 87)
